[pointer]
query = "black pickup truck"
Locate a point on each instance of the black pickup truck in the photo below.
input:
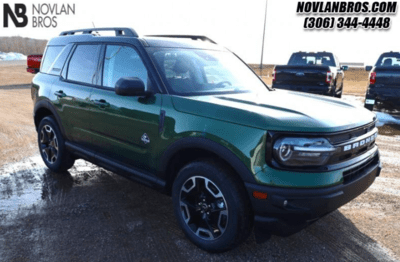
(384, 83)
(317, 73)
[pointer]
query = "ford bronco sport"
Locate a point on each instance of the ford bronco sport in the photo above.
(190, 119)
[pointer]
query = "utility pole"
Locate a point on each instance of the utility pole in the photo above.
(262, 47)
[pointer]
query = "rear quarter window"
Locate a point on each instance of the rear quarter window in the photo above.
(57, 66)
(50, 56)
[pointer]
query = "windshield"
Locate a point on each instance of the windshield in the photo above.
(312, 59)
(389, 59)
(204, 72)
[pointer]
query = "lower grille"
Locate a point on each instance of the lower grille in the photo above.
(356, 172)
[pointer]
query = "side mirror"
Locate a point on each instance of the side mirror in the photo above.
(368, 68)
(344, 68)
(130, 86)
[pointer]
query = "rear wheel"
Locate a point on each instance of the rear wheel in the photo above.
(52, 147)
(211, 206)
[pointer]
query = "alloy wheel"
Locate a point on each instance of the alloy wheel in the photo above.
(203, 208)
(49, 144)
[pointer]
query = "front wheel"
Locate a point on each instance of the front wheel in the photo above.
(51, 146)
(211, 206)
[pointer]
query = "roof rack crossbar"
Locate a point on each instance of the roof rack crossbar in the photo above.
(119, 31)
(193, 37)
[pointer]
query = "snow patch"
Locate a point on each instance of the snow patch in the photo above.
(385, 119)
(11, 56)
(355, 100)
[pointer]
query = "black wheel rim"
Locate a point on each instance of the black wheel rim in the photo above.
(203, 208)
(48, 144)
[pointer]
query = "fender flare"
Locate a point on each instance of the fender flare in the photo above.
(207, 145)
(46, 104)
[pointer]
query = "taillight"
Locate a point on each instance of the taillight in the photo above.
(274, 76)
(328, 77)
(33, 62)
(372, 78)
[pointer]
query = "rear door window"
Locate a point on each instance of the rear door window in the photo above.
(83, 64)
(51, 54)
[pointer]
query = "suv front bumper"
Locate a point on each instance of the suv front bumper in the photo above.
(288, 210)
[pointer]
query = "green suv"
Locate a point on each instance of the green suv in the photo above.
(189, 118)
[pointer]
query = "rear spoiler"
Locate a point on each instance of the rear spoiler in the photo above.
(33, 63)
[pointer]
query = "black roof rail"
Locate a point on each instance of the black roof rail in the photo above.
(119, 31)
(193, 37)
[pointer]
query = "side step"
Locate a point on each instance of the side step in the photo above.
(129, 172)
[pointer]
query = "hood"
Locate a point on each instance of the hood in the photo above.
(278, 110)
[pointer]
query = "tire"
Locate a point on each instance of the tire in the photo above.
(369, 107)
(52, 146)
(339, 95)
(223, 205)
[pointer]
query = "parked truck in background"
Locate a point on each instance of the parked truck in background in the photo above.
(384, 83)
(317, 73)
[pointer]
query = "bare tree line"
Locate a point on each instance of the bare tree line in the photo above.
(23, 45)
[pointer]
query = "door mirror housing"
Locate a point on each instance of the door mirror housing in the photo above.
(368, 68)
(130, 86)
(344, 68)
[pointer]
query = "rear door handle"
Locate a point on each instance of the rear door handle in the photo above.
(101, 103)
(60, 93)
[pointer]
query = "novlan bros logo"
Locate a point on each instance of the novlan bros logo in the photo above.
(19, 11)
(43, 15)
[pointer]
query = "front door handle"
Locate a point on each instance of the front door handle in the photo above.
(101, 103)
(60, 93)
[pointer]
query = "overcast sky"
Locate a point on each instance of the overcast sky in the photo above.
(237, 25)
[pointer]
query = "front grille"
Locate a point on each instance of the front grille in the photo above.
(354, 173)
(350, 138)
(351, 134)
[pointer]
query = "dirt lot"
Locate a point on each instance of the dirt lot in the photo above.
(17, 134)
(92, 214)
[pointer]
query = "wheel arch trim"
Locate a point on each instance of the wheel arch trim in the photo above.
(47, 105)
(207, 145)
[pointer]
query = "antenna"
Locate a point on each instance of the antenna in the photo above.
(97, 32)
(262, 47)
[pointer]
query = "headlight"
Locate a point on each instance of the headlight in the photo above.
(297, 151)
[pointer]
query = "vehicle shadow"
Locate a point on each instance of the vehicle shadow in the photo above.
(92, 214)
